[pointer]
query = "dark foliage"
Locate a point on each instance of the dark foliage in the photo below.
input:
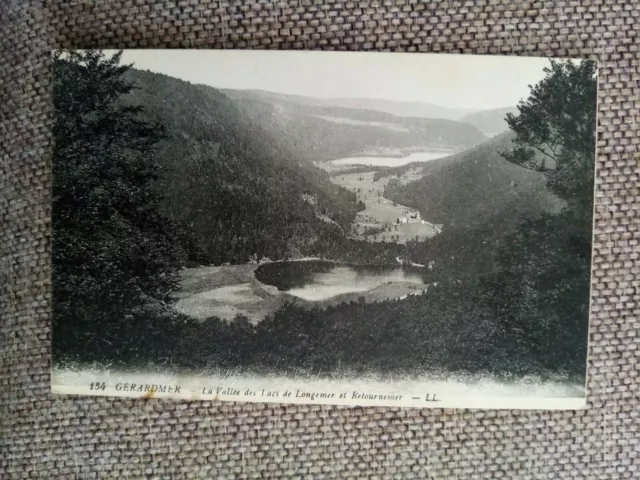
(512, 274)
(239, 190)
(454, 329)
(305, 128)
(477, 187)
(555, 132)
(111, 246)
(541, 292)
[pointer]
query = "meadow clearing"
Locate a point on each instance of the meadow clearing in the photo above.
(382, 219)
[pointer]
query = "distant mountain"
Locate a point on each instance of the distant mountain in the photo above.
(393, 107)
(274, 96)
(402, 109)
(490, 122)
(317, 131)
(478, 189)
(231, 181)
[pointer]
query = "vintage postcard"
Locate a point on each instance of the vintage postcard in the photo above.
(366, 229)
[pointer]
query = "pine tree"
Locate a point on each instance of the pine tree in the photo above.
(555, 132)
(112, 250)
(542, 291)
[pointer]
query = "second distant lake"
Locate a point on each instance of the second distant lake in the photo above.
(391, 161)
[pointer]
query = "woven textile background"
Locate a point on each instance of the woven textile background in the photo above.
(42, 436)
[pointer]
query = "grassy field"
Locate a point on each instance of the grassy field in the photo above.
(230, 290)
(406, 232)
(225, 291)
(381, 213)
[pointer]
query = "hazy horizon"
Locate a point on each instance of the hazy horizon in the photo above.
(354, 98)
(460, 82)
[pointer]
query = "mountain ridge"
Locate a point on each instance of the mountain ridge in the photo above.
(325, 132)
(452, 188)
(403, 108)
(235, 185)
(490, 122)
(398, 108)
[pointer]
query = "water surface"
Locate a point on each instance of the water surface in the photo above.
(320, 280)
(391, 161)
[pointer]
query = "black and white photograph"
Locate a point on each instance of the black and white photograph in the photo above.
(338, 228)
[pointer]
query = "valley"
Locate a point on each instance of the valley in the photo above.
(266, 234)
(384, 220)
(262, 178)
(318, 130)
(229, 291)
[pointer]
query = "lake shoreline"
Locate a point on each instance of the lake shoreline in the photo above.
(386, 161)
(227, 291)
(396, 153)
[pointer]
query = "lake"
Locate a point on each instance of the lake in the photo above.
(391, 161)
(317, 280)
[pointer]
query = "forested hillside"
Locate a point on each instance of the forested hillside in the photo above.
(318, 132)
(151, 171)
(236, 187)
(478, 187)
(480, 198)
(402, 108)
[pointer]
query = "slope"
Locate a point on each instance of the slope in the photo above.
(318, 132)
(490, 122)
(480, 199)
(477, 188)
(402, 108)
(231, 182)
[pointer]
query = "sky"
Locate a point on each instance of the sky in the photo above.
(448, 80)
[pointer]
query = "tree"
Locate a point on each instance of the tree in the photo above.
(555, 132)
(112, 250)
(541, 293)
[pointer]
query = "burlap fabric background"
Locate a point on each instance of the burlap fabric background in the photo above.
(46, 437)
